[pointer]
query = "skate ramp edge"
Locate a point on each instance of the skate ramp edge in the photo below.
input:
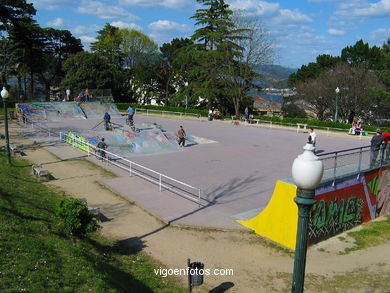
(278, 221)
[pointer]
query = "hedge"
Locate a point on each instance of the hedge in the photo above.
(123, 107)
(310, 122)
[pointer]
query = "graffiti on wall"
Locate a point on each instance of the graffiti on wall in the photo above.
(337, 211)
(358, 201)
(383, 194)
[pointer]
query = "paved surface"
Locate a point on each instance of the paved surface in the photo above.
(236, 175)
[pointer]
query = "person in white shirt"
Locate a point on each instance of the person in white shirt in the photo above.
(312, 137)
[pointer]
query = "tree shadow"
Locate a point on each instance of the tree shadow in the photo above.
(115, 277)
(223, 191)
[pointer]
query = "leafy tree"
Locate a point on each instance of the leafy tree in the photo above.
(293, 111)
(354, 99)
(58, 45)
(136, 48)
(28, 42)
(107, 44)
(313, 69)
(362, 53)
(214, 54)
(14, 13)
(87, 70)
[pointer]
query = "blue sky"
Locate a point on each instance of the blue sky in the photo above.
(300, 30)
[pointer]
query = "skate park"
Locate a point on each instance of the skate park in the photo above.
(235, 167)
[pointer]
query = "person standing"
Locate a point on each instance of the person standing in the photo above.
(376, 142)
(312, 137)
(102, 146)
(246, 113)
(386, 146)
(107, 121)
(67, 95)
(181, 135)
(130, 114)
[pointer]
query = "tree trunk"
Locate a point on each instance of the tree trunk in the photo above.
(31, 84)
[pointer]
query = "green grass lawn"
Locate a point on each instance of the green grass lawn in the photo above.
(37, 257)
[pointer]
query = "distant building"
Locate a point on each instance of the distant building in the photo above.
(267, 107)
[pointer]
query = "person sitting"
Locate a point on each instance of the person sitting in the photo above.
(359, 128)
(352, 130)
(107, 121)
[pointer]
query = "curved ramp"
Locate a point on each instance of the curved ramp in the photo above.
(278, 221)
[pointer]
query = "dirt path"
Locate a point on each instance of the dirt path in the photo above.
(257, 266)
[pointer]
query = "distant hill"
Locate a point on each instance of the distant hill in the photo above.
(275, 75)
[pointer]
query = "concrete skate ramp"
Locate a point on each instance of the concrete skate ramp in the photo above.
(278, 221)
(353, 200)
(97, 109)
(126, 142)
(51, 112)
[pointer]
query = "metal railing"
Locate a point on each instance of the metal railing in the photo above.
(353, 161)
(163, 181)
(167, 113)
(299, 126)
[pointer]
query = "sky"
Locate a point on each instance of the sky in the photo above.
(299, 30)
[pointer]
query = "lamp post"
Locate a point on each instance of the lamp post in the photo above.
(337, 90)
(307, 172)
(4, 95)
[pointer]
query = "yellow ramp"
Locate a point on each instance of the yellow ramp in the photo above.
(278, 221)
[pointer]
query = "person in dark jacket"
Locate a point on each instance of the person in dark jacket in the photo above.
(376, 142)
(181, 136)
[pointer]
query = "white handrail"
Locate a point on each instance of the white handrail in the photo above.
(76, 142)
(168, 112)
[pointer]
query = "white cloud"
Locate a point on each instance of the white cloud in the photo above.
(104, 11)
(336, 32)
(174, 4)
(362, 8)
(380, 35)
(177, 4)
(82, 29)
(166, 25)
(50, 4)
(139, 3)
(378, 9)
(292, 16)
(87, 39)
(55, 22)
(253, 7)
(122, 24)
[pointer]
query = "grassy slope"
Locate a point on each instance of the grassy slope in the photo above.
(37, 257)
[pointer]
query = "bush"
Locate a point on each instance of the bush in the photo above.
(123, 107)
(76, 219)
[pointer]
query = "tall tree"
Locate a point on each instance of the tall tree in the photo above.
(87, 70)
(107, 44)
(215, 51)
(14, 13)
(58, 46)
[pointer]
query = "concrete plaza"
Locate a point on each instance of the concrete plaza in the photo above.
(236, 174)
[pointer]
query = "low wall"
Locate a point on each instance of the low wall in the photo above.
(350, 202)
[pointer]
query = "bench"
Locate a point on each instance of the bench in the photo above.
(299, 126)
(15, 149)
(40, 172)
(94, 211)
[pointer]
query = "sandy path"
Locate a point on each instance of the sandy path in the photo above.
(257, 267)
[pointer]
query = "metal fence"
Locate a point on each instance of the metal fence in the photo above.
(167, 113)
(353, 161)
(163, 181)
